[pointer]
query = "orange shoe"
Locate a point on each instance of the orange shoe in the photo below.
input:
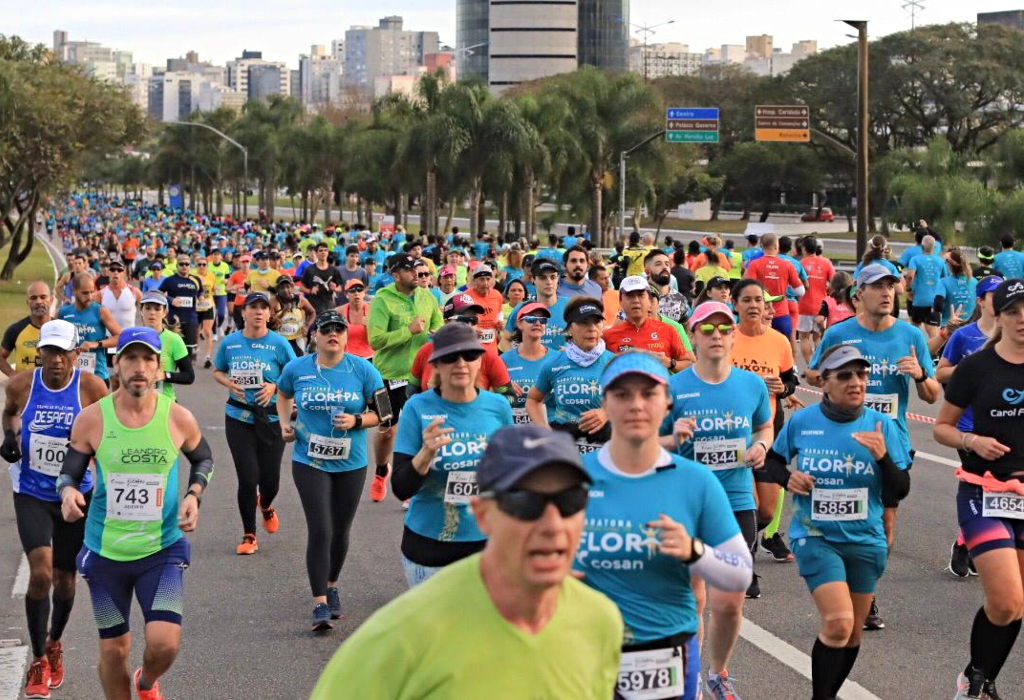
(151, 694)
(379, 487)
(248, 545)
(270, 521)
(37, 685)
(55, 657)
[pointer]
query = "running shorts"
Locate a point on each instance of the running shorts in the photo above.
(40, 524)
(821, 561)
(206, 315)
(983, 534)
(924, 314)
(190, 334)
(783, 324)
(806, 324)
(397, 393)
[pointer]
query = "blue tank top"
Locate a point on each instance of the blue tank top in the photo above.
(45, 430)
(90, 327)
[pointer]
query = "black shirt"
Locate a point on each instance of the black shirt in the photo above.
(318, 282)
(994, 390)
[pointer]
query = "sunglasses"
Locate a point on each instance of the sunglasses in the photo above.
(534, 320)
(332, 328)
(471, 320)
(530, 505)
(467, 356)
(184, 264)
(356, 289)
(845, 375)
(710, 328)
(423, 275)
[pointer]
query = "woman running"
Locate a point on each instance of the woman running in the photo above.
(174, 358)
(356, 313)
(205, 308)
(525, 360)
(955, 298)
(292, 313)
(837, 305)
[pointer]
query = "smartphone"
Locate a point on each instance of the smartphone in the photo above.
(382, 401)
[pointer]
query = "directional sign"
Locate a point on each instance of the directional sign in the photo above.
(782, 123)
(691, 125)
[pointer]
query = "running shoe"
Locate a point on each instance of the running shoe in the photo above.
(379, 487)
(151, 694)
(723, 687)
(334, 603)
(959, 561)
(776, 546)
(37, 685)
(990, 691)
(248, 545)
(970, 687)
(55, 657)
(405, 504)
(321, 618)
(207, 364)
(270, 521)
(874, 621)
(754, 590)
(971, 567)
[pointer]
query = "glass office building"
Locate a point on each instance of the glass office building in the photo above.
(472, 27)
(603, 34)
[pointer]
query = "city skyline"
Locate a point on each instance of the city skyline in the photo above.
(154, 32)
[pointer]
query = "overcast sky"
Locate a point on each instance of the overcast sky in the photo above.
(219, 29)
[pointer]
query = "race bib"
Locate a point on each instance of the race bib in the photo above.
(1003, 505)
(46, 453)
(460, 486)
(289, 329)
(487, 335)
(397, 383)
(87, 361)
(585, 447)
(248, 378)
(720, 453)
(182, 302)
(135, 497)
(323, 447)
(888, 404)
(651, 675)
(203, 304)
(834, 505)
(519, 415)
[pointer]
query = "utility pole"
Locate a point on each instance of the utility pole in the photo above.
(623, 155)
(863, 208)
(646, 30)
(243, 149)
(913, 7)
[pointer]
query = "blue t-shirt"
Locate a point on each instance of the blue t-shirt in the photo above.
(151, 283)
(618, 552)
(965, 341)
(554, 332)
(957, 291)
(845, 504)
(512, 273)
(909, 254)
(928, 271)
(575, 389)
(726, 416)
(524, 373)
(480, 250)
(90, 327)
(182, 294)
(888, 389)
(1009, 264)
(881, 261)
(379, 281)
(251, 362)
(440, 509)
(320, 393)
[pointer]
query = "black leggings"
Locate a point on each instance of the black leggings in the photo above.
(257, 457)
(329, 500)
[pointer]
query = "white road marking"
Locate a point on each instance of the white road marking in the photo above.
(938, 460)
(12, 671)
(796, 659)
(20, 586)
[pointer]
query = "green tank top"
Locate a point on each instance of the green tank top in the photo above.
(134, 511)
(736, 260)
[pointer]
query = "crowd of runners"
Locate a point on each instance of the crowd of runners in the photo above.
(590, 447)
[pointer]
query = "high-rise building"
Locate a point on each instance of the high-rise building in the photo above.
(1014, 19)
(603, 34)
(760, 46)
(174, 95)
(239, 74)
(527, 45)
(320, 77)
(385, 50)
(661, 60)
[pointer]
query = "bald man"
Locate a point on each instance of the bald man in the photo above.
(20, 338)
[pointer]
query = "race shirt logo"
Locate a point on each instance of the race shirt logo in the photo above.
(615, 544)
(143, 455)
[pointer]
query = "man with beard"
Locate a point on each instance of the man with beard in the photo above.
(658, 267)
(575, 282)
(20, 338)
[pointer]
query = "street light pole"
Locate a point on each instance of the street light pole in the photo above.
(623, 155)
(863, 204)
(243, 149)
(646, 30)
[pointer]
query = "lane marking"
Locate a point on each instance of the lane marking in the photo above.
(20, 587)
(937, 459)
(12, 671)
(796, 659)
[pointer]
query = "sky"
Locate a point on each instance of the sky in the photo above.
(155, 30)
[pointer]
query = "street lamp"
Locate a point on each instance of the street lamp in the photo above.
(863, 209)
(646, 30)
(243, 149)
(465, 52)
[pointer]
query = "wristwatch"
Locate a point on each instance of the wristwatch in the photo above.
(194, 494)
(672, 365)
(359, 421)
(696, 551)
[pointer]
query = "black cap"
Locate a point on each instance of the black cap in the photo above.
(717, 281)
(401, 261)
(454, 338)
(1007, 294)
(542, 265)
(259, 255)
(256, 297)
(517, 451)
(330, 317)
(586, 310)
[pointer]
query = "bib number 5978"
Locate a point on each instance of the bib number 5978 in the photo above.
(651, 675)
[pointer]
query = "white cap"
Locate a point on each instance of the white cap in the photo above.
(58, 334)
(634, 283)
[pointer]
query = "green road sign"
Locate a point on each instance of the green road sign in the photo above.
(691, 136)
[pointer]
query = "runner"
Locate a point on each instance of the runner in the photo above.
(97, 329)
(849, 461)
(525, 360)
(205, 311)
(175, 361)
(249, 363)
(133, 534)
(236, 290)
(481, 289)
(21, 337)
(220, 271)
(923, 276)
(511, 617)
(575, 283)
(183, 290)
(820, 272)
(641, 332)
(263, 278)
(356, 313)
(545, 280)
(441, 437)
(955, 298)
(293, 315)
(683, 515)
(40, 408)
(776, 274)
(120, 298)
(658, 267)
(1009, 263)
(334, 393)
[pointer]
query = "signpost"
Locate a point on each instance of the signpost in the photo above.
(692, 125)
(789, 124)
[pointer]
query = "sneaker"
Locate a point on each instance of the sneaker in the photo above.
(970, 687)
(405, 504)
(379, 487)
(959, 560)
(990, 691)
(248, 545)
(754, 590)
(321, 618)
(207, 364)
(334, 603)
(270, 520)
(37, 685)
(55, 657)
(722, 688)
(151, 694)
(776, 546)
(874, 621)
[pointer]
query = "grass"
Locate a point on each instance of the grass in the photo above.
(12, 293)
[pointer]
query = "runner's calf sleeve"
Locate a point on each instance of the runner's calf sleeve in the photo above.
(773, 526)
(37, 613)
(991, 644)
(201, 459)
(826, 670)
(59, 618)
(775, 470)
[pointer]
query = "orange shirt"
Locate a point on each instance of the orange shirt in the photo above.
(490, 320)
(493, 372)
(238, 278)
(767, 355)
(653, 336)
(723, 261)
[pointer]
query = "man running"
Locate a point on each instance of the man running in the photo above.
(133, 534)
(320, 280)
(545, 279)
(923, 275)
(183, 290)
(776, 274)
(641, 332)
(21, 337)
(575, 283)
(658, 267)
(41, 405)
(97, 329)
(819, 271)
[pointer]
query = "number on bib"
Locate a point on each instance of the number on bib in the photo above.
(720, 453)
(46, 453)
(888, 404)
(487, 335)
(519, 415)
(1003, 505)
(182, 302)
(460, 486)
(585, 447)
(835, 505)
(651, 675)
(87, 361)
(248, 378)
(137, 497)
(323, 447)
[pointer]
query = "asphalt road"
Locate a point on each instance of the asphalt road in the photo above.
(246, 618)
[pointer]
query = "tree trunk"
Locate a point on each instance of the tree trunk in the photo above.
(475, 203)
(160, 195)
(767, 208)
(328, 201)
(596, 191)
(399, 209)
(502, 218)
(428, 212)
(451, 215)
(531, 208)
(717, 206)
(369, 214)
(26, 219)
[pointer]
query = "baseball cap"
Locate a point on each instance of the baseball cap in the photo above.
(354, 282)
(988, 284)
(453, 338)
(329, 317)
(634, 283)
(633, 362)
(717, 281)
(138, 335)
(115, 263)
(58, 334)
(770, 298)
(447, 270)
(875, 272)
(157, 266)
(256, 297)
(459, 303)
(846, 354)
(1008, 293)
(584, 310)
(401, 261)
(483, 270)
(245, 258)
(532, 308)
(514, 452)
(707, 310)
(986, 253)
(154, 297)
(542, 265)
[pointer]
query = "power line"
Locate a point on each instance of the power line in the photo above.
(913, 7)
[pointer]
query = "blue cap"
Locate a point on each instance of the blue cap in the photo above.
(633, 362)
(516, 451)
(988, 284)
(142, 335)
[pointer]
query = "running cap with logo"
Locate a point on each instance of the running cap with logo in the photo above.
(58, 334)
(542, 265)
(709, 309)
(875, 272)
(845, 355)
(401, 261)
(514, 452)
(718, 281)
(633, 362)
(534, 307)
(154, 297)
(330, 317)
(447, 271)
(634, 283)
(588, 309)
(483, 270)
(256, 298)
(986, 254)
(453, 338)
(157, 266)
(460, 303)
(1007, 294)
(138, 335)
(988, 284)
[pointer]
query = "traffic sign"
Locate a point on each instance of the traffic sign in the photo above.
(691, 125)
(790, 123)
(692, 113)
(691, 136)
